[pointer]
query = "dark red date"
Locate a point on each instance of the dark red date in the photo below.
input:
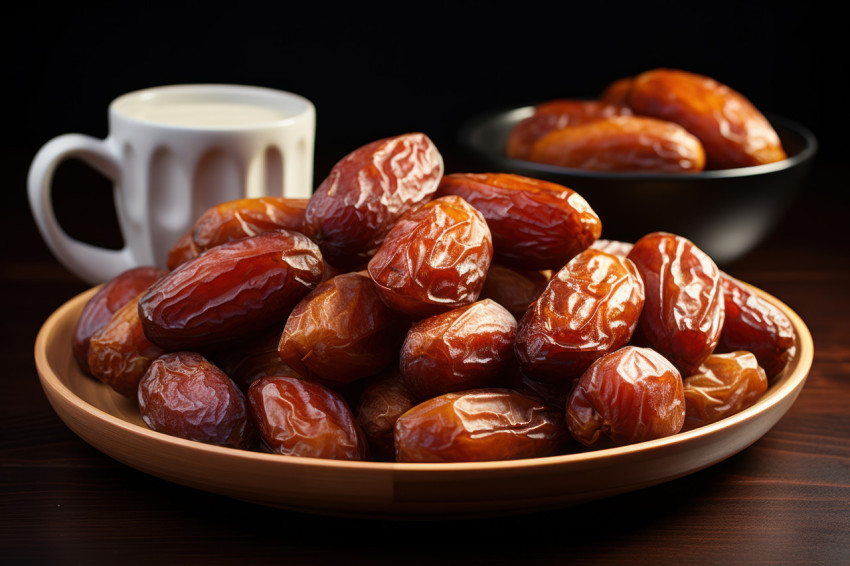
(589, 308)
(120, 353)
(684, 310)
(184, 395)
(342, 331)
(754, 325)
(535, 224)
(434, 259)
(235, 288)
(469, 347)
(110, 297)
(350, 213)
(298, 417)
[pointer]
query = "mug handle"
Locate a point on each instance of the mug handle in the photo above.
(92, 263)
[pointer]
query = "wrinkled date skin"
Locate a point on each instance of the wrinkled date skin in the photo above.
(111, 296)
(589, 308)
(298, 417)
(554, 115)
(684, 309)
(535, 224)
(236, 288)
(622, 144)
(342, 331)
(514, 289)
(120, 353)
(631, 395)
(183, 394)
(383, 400)
(367, 191)
(434, 259)
(614, 247)
(724, 384)
(754, 325)
(477, 426)
(732, 131)
(468, 347)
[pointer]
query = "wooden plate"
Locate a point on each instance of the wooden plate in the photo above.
(112, 424)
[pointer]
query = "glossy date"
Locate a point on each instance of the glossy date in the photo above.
(479, 425)
(235, 288)
(434, 259)
(535, 224)
(630, 395)
(184, 395)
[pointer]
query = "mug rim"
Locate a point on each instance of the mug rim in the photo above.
(297, 106)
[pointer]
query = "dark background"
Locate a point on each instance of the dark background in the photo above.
(376, 70)
(383, 69)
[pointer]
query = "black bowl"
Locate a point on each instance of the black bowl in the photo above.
(726, 213)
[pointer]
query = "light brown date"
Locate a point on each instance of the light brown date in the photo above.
(589, 308)
(298, 417)
(725, 384)
(184, 395)
(352, 210)
(479, 425)
(235, 288)
(754, 325)
(630, 395)
(468, 347)
(434, 259)
(554, 115)
(110, 297)
(732, 130)
(120, 353)
(342, 331)
(684, 309)
(535, 224)
(622, 144)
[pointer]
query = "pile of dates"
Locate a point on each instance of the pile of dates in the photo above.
(660, 121)
(403, 314)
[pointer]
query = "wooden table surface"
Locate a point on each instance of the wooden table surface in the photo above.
(784, 500)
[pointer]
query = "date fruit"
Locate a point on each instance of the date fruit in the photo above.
(383, 400)
(298, 417)
(364, 194)
(631, 395)
(120, 353)
(684, 309)
(184, 395)
(535, 224)
(622, 144)
(477, 426)
(754, 325)
(245, 217)
(254, 357)
(434, 259)
(111, 296)
(342, 331)
(589, 308)
(235, 288)
(733, 131)
(554, 115)
(468, 347)
(724, 384)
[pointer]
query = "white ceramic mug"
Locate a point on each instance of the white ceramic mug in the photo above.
(172, 152)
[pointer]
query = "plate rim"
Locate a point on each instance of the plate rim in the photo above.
(785, 390)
